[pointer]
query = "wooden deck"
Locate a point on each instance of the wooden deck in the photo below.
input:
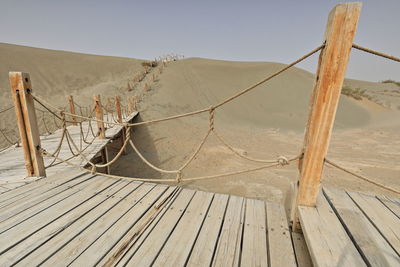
(84, 220)
(12, 165)
(352, 229)
(75, 218)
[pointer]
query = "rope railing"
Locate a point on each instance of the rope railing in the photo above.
(331, 163)
(6, 109)
(178, 172)
(75, 151)
(377, 53)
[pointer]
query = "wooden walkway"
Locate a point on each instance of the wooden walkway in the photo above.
(352, 229)
(75, 218)
(12, 165)
(81, 219)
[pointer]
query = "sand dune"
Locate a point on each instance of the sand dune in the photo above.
(267, 122)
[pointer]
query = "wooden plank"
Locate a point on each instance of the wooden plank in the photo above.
(43, 206)
(370, 243)
(228, 250)
(203, 250)
(21, 87)
(381, 217)
(104, 244)
(391, 204)
(279, 239)
(340, 31)
(123, 251)
(326, 239)
(37, 187)
(254, 243)
(303, 258)
(74, 239)
(35, 201)
(26, 228)
(177, 248)
(52, 228)
(152, 245)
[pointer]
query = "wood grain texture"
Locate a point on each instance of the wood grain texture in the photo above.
(339, 35)
(327, 240)
(371, 244)
(21, 88)
(279, 239)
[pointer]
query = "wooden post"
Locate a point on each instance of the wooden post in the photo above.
(340, 31)
(119, 115)
(72, 109)
(104, 156)
(21, 89)
(99, 116)
(118, 107)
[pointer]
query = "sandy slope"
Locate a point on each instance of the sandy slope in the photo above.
(265, 123)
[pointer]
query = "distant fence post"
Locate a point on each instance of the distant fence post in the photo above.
(99, 117)
(340, 31)
(118, 107)
(119, 115)
(72, 109)
(21, 89)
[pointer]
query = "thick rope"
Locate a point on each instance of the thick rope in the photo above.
(362, 177)
(236, 152)
(149, 163)
(161, 180)
(377, 53)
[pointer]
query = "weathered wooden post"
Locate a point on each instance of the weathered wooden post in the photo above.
(99, 117)
(333, 59)
(119, 115)
(118, 107)
(72, 109)
(21, 89)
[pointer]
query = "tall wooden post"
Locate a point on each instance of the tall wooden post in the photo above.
(118, 107)
(119, 115)
(21, 89)
(99, 116)
(340, 31)
(72, 109)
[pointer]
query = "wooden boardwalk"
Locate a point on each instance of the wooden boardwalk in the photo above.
(81, 219)
(352, 229)
(12, 164)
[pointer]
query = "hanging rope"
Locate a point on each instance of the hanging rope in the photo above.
(362, 177)
(6, 109)
(377, 53)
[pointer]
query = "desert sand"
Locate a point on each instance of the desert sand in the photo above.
(265, 123)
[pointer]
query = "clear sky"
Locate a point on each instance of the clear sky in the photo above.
(252, 30)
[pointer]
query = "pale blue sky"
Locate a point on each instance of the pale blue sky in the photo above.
(278, 31)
